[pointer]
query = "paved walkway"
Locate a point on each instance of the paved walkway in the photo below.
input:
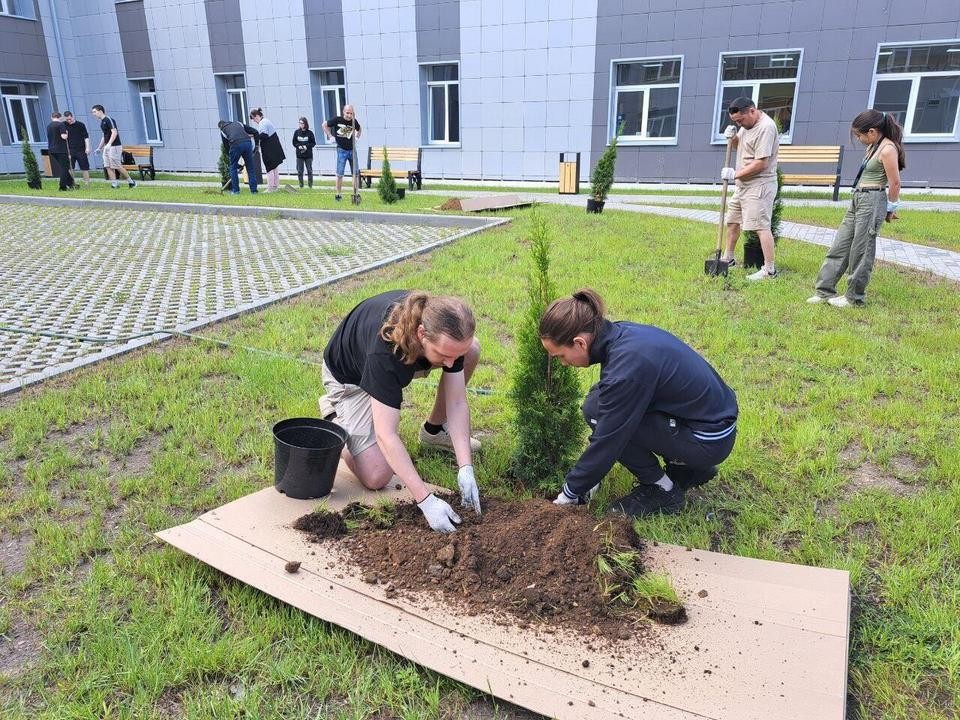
(129, 275)
(944, 263)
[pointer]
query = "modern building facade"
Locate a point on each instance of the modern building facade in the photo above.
(491, 89)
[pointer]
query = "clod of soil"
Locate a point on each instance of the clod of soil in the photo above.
(451, 204)
(529, 563)
(321, 525)
(292, 566)
(666, 612)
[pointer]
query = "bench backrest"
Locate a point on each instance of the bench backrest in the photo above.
(809, 154)
(394, 154)
(139, 151)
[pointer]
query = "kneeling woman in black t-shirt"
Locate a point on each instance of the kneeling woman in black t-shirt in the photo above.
(376, 351)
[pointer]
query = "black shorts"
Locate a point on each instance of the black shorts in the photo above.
(80, 160)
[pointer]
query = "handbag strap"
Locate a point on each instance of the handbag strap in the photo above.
(863, 165)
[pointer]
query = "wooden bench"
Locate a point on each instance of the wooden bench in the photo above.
(813, 154)
(394, 154)
(142, 161)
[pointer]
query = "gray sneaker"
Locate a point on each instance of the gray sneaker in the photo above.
(442, 440)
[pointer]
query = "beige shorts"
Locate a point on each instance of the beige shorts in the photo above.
(112, 156)
(353, 409)
(752, 207)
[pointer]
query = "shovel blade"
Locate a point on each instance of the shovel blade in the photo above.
(715, 267)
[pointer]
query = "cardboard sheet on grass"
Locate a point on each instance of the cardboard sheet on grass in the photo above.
(763, 640)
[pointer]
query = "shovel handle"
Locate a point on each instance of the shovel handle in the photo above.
(723, 198)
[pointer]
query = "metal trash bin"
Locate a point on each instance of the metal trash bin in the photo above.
(569, 175)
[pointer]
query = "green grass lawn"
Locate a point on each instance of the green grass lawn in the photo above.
(924, 227)
(928, 227)
(847, 457)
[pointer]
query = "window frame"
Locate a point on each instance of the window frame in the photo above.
(785, 138)
(340, 91)
(152, 94)
(430, 84)
(915, 78)
(22, 98)
(615, 90)
(9, 8)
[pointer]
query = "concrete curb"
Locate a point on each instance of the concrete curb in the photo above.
(266, 212)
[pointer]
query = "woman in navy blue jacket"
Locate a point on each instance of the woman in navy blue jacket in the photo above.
(656, 399)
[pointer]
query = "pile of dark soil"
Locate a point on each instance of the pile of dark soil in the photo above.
(451, 204)
(525, 563)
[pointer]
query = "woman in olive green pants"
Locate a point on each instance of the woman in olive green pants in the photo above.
(876, 195)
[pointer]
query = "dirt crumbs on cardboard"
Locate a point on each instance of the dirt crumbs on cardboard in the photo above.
(525, 563)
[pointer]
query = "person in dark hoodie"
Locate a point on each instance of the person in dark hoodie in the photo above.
(303, 143)
(271, 148)
(237, 138)
(656, 398)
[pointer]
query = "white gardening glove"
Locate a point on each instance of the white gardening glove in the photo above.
(440, 516)
(728, 174)
(892, 205)
(469, 492)
(730, 131)
(568, 498)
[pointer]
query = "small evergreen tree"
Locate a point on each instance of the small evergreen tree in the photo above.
(223, 166)
(602, 178)
(387, 188)
(30, 166)
(545, 394)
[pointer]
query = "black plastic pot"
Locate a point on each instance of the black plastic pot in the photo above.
(594, 206)
(401, 193)
(752, 255)
(306, 456)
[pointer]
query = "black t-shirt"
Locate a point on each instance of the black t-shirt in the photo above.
(55, 143)
(343, 131)
(76, 134)
(108, 125)
(357, 355)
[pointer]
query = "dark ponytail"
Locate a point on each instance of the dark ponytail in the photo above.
(886, 124)
(568, 317)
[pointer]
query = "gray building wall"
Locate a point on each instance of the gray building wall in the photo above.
(134, 39)
(839, 39)
(535, 77)
(323, 32)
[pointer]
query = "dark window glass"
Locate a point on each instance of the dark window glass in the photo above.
(893, 96)
(662, 113)
(453, 98)
(918, 58)
(769, 66)
(936, 110)
(776, 100)
(650, 72)
(629, 119)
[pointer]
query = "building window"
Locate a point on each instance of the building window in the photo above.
(646, 100)
(920, 85)
(21, 103)
(443, 103)
(18, 8)
(330, 87)
(768, 78)
(233, 97)
(148, 109)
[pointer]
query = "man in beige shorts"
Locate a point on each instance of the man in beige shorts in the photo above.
(751, 207)
(112, 148)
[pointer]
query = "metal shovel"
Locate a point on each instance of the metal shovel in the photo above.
(715, 266)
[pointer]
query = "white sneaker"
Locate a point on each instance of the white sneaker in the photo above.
(762, 274)
(839, 301)
(815, 299)
(442, 440)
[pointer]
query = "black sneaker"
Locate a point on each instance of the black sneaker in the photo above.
(687, 477)
(732, 262)
(649, 500)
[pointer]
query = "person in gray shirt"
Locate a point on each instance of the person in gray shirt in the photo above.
(237, 139)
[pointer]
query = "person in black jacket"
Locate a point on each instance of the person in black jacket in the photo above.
(57, 148)
(270, 148)
(237, 138)
(656, 398)
(303, 143)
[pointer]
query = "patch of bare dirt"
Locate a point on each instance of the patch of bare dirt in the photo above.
(525, 564)
(13, 553)
(169, 704)
(870, 477)
(140, 457)
(20, 647)
(487, 709)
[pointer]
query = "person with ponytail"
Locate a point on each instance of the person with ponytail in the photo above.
(657, 399)
(876, 197)
(376, 351)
